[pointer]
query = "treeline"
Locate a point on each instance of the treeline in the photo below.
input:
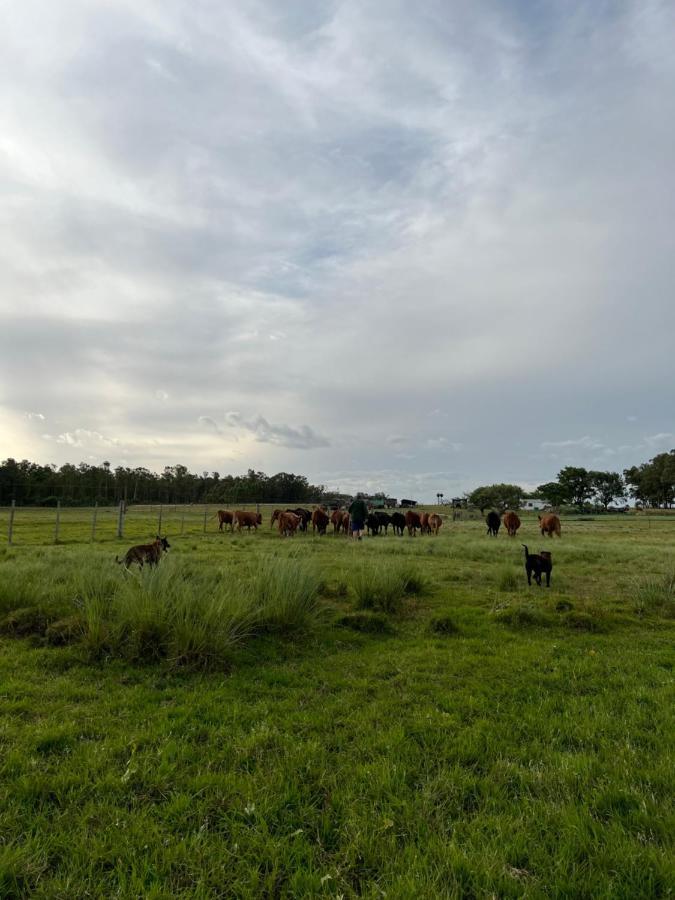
(31, 484)
(651, 484)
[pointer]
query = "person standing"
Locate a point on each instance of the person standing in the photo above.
(358, 512)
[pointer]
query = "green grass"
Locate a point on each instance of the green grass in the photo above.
(192, 732)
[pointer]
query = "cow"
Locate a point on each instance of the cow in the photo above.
(305, 517)
(435, 522)
(345, 522)
(319, 520)
(336, 519)
(288, 524)
(398, 522)
(247, 519)
(549, 524)
(145, 553)
(424, 523)
(225, 517)
(275, 516)
(384, 520)
(372, 524)
(413, 521)
(493, 522)
(511, 523)
(538, 564)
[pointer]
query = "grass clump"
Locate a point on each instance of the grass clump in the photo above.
(366, 622)
(284, 594)
(523, 617)
(378, 587)
(584, 621)
(443, 625)
(507, 580)
(655, 595)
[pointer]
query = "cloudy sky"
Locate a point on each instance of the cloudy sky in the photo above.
(415, 247)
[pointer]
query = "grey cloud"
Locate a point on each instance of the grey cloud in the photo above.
(300, 438)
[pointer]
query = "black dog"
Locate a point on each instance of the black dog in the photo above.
(538, 564)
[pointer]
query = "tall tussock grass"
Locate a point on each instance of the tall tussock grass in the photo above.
(384, 587)
(655, 595)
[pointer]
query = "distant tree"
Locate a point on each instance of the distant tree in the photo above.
(577, 485)
(653, 483)
(607, 486)
(500, 496)
(552, 492)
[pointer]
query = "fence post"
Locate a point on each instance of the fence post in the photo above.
(58, 521)
(120, 519)
(11, 522)
(159, 522)
(206, 512)
(182, 521)
(93, 521)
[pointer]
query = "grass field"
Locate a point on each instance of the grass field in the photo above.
(316, 717)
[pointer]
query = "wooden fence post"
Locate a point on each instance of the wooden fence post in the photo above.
(182, 522)
(93, 521)
(11, 522)
(206, 512)
(159, 522)
(120, 519)
(58, 521)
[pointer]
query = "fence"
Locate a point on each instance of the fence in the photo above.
(26, 525)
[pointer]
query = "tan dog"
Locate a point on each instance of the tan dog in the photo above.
(145, 553)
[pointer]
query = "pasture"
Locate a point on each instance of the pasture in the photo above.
(309, 717)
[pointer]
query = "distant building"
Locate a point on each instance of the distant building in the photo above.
(533, 504)
(408, 503)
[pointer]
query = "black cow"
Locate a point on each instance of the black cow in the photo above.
(372, 523)
(398, 522)
(384, 520)
(493, 522)
(305, 517)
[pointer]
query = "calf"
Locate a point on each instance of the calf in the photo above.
(549, 525)
(305, 517)
(538, 564)
(336, 519)
(145, 553)
(493, 522)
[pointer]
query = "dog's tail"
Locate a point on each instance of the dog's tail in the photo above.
(119, 561)
(527, 552)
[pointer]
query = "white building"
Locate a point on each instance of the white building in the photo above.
(533, 504)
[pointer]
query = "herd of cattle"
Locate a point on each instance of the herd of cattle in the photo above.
(289, 521)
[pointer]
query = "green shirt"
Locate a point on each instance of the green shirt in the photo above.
(358, 510)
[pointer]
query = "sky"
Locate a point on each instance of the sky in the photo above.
(390, 246)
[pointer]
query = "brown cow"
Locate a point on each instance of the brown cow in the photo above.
(549, 525)
(275, 516)
(336, 519)
(248, 519)
(435, 522)
(345, 522)
(288, 523)
(319, 520)
(413, 521)
(511, 523)
(225, 517)
(424, 519)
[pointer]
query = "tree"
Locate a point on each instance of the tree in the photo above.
(552, 492)
(577, 485)
(653, 483)
(607, 486)
(501, 496)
